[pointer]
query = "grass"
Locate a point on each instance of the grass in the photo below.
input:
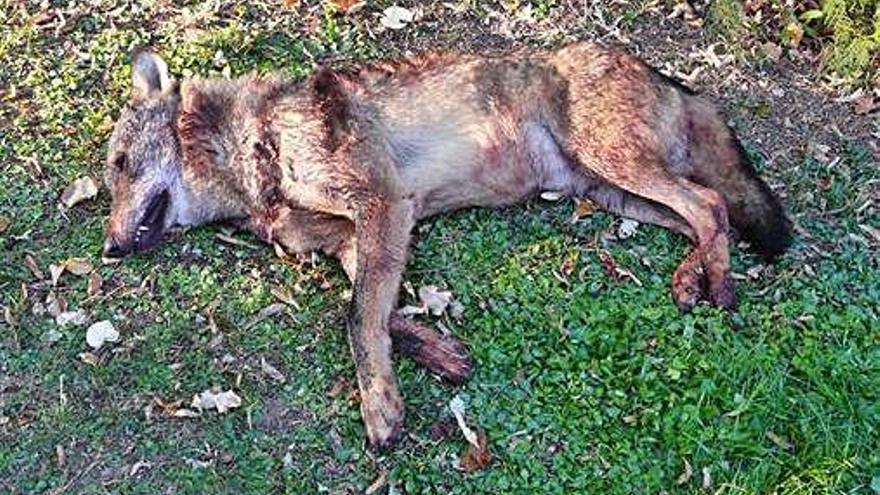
(584, 384)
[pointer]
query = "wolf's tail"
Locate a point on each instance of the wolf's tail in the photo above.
(720, 162)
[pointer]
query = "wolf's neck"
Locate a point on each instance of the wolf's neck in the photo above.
(209, 189)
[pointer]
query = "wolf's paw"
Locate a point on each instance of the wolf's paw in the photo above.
(382, 412)
(687, 283)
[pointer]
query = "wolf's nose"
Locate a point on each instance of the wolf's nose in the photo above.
(112, 249)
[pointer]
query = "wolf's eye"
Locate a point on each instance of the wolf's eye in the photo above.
(119, 163)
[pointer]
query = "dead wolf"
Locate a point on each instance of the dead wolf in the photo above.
(346, 161)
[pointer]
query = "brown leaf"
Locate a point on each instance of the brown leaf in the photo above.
(168, 408)
(60, 456)
(793, 33)
(55, 304)
(78, 266)
(865, 104)
(81, 189)
(55, 272)
(685, 476)
(348, 6)
(4, 224)
(88, 358)
(284, 295)
(31, 265)
(583, 208)
(94, 287)
(476, 457)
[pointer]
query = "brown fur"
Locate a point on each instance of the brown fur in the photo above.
(347, 161)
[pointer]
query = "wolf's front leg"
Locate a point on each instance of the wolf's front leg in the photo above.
(382, 229)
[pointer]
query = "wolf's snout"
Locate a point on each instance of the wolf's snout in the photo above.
(112, 249)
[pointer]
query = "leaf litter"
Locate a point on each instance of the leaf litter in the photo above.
(79, 190)
(221, 401)
(396, 17)
(434, 301)
(477, 455)
(100, 333)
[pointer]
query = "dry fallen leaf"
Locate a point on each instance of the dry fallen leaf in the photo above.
(55, 272)
(78, 266)
(60, 456)
(685, 476)
(434, 299)
(222, 401)
(4, 224)
(100, 333)
(793, 33)
(456, 405)
(284, 295)
(272, 371)
(396, 17)
(138, 466)
(8, 317)
(583, 208)
(627, 228)
(72, 318)
(55, 304)
(94, 287)
(31, 265)
(865, 104)
(378, 483)
(476, 457)
(348, 6)
(88, 358)
(81, 189)
(267, 312)
(772, 50)
(707, 479)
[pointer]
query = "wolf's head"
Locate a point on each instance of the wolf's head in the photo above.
(143, 170)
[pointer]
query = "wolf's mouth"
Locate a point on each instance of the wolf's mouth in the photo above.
(150, 230)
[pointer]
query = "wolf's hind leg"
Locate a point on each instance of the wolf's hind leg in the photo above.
(704, 209)
(641, 172)
(620, 202)
(688, 281)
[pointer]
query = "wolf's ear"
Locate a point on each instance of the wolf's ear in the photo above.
(149, 74)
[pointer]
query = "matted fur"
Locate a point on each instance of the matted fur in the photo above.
(347, 161)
